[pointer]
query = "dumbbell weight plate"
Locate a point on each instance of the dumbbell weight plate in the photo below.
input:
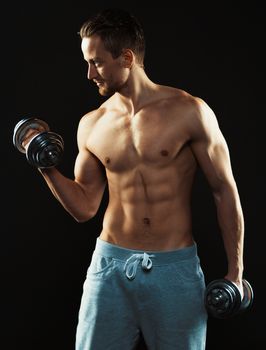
(248, 296)
(45, 150)
(223, 299)
(22, 127)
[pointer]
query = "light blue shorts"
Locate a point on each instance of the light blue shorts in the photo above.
(160, 294)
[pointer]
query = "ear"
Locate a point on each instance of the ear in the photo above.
(127, 58)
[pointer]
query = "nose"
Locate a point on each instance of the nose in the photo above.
(92, 72)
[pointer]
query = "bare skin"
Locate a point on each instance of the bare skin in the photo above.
(146, 142)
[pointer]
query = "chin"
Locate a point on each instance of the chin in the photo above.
(106, 92)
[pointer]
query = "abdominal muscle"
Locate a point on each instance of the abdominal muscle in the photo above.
(148, 210)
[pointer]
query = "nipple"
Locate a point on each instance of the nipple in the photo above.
(107, 160)
(164, 153)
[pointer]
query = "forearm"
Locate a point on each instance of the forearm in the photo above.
(69, 193)
(231, 223)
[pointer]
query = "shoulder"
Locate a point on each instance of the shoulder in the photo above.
(108, 107)
(87, 123)
(193, 108)
(183, 99)
(91, 117)
(195, 113)
(202, 121)
(202, 115)
(178, 99)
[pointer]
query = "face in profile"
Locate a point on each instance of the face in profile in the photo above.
(106, 72)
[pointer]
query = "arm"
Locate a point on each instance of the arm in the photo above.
(212, 154)
(82, 196)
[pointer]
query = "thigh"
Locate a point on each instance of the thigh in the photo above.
(106, 319)
(176, 317)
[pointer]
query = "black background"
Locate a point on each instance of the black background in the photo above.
(213, 51)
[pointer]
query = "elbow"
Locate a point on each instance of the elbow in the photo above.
(81, 220)
(84, 217)
(86, 210)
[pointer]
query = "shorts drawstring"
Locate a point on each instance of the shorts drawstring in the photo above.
(132, 263)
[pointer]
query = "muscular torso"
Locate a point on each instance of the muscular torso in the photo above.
(149, 168)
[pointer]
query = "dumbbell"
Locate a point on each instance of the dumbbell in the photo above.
(223, 298)
(45, 149)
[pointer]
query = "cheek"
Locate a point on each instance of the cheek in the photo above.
(114, 74)
(122, 75)
(101, 72)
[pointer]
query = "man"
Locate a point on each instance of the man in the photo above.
(145, 142)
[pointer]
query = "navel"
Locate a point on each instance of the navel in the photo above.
(146, 221)
(107, 160)
(164, 153)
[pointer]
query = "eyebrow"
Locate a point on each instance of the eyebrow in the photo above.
(93, 60)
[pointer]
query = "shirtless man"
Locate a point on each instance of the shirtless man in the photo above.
(145, 142)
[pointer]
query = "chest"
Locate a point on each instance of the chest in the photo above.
(123, 143)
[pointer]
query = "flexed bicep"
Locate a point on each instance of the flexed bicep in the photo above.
(90, 175)
(89, 172)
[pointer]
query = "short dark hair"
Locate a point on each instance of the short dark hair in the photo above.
(118, 29)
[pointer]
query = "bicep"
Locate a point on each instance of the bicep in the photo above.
(214, 160)
(89, 173)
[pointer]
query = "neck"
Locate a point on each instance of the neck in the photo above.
(138, 89)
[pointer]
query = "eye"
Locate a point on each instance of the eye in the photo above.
(97, 63)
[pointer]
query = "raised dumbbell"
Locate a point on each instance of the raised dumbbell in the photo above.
(223, 298)
(45, 148)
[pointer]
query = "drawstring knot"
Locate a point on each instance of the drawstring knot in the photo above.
(132, 263)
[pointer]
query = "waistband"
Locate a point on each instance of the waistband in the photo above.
(159, 257)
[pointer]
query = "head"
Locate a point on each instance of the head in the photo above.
(112, 41)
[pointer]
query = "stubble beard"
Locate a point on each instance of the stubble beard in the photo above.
(109, 90)
(103, 91)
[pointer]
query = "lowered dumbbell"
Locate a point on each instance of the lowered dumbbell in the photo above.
(223, 298)
(45, 148)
